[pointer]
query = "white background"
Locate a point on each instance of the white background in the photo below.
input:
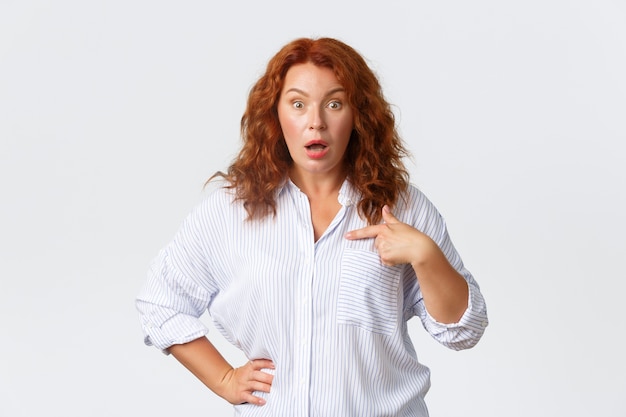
(113, 113)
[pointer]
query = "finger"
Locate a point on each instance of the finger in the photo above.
(251, 399)
(256, 386)
(259, 386)
(388, 216)
(262, 376)
(364, 233)
(262, 364)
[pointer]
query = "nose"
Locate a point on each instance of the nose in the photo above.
(316, 121)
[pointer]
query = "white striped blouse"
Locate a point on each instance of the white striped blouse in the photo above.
(329, 315)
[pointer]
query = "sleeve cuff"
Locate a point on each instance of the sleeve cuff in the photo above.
(177, 330)
(474, 318)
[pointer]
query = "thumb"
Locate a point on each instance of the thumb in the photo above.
(388, 217)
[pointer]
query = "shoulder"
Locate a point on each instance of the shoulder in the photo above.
(217, 192)
(217, 205)
(415, 208)
(414, 200)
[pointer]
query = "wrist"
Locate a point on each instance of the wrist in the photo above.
(223, 380)
(425, 251)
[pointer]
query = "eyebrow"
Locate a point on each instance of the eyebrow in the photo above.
(329, 93)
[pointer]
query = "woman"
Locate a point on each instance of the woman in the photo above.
(300, 260)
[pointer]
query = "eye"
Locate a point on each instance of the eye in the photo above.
(335, 105)
(298, 105)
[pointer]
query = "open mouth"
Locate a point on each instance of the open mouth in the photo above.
(316, 147)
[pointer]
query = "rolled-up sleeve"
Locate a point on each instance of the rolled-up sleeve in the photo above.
(176, 293)
(465, 333)
(170, 306)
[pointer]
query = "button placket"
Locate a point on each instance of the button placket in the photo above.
(303, 317)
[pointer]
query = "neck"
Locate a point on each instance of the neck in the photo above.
(318, 186)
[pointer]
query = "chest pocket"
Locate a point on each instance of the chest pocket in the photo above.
(368, 292)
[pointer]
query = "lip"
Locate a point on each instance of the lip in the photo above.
(316, 142)
(316, 153)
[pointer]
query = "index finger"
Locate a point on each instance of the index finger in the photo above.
(364, 233)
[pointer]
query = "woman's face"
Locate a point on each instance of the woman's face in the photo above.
(316, 120)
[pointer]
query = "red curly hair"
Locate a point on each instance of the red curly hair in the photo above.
(374, 154)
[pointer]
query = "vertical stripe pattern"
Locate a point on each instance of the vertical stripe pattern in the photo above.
(328, 313)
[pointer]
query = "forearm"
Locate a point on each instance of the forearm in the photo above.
(235, 385)
(444, 289)
(203, 360)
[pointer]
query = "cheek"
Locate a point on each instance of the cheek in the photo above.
(288, 129)
(287, 124)
(346, 129)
